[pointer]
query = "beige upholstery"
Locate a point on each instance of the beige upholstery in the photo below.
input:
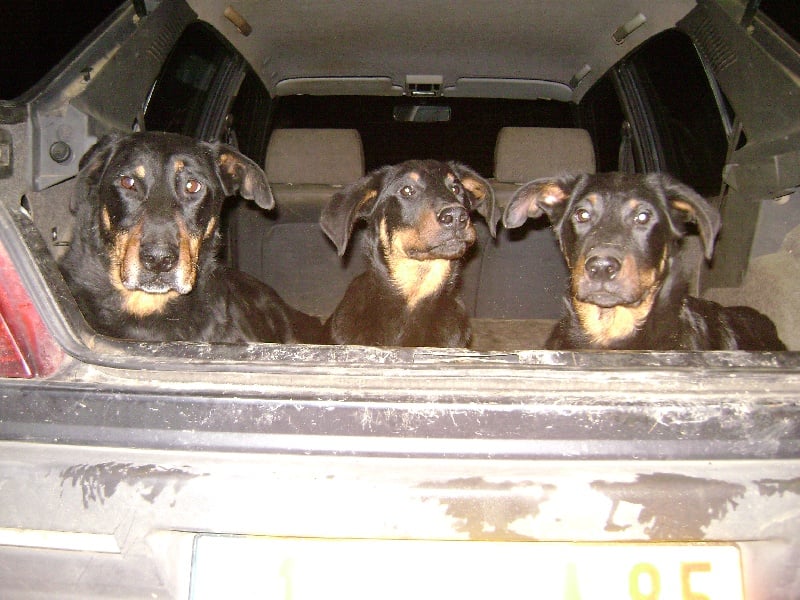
(286, 248)
(525, 153)
(314, 156)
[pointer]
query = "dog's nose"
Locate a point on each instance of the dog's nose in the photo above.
(602, 268)
(453, 217)
(158, 259)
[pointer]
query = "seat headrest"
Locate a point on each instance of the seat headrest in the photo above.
(525, 153)
(314, 156)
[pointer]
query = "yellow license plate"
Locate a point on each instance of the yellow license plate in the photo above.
(316, 569)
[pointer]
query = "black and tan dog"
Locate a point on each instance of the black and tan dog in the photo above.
(620, 235)
(418, 229)
(142, 261)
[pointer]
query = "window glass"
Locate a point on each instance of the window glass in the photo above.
(192, 96)
(246, 123)
(469, 135)
(685, 110)
(602, 115)
(181, 93)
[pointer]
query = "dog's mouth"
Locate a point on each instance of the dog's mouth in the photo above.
(454, 244)
(435, 243)
(159, 284)
(607, 299)
(449, 249)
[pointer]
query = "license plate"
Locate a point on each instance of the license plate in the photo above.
(316, 569)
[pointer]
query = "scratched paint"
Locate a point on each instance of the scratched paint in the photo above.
(674, 507)
(99, 482)
(770, 487)
(490, 512)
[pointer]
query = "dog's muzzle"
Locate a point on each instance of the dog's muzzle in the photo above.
(161, 269)
(608, 279)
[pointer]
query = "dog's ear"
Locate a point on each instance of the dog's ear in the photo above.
(691, 207)
(356, 201)
(240, 175)
(91, 168)
(481, 192)
(546, 195)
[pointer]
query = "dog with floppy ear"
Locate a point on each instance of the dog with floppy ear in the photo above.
(418, 228)
(621, 236)
(142, 262)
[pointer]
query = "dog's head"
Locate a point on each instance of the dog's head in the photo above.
(419, 209)
(617, 231)
(153, 200)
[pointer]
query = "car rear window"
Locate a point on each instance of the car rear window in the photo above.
(469, 136)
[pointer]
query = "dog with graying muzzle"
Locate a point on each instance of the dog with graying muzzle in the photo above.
(620, 235)
(418, 228)
(142, 263)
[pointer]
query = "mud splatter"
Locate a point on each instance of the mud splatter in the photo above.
(484, 514)
(98, 482)
(770, 487)
(674, 507)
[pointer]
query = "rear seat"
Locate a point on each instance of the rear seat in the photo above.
(519, 276)
(286, 247)
(522, 275)
(525, 153)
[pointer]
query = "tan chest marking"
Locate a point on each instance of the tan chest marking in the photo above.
(415, 279)
(605, 326)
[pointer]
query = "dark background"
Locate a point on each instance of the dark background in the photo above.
(36, 34)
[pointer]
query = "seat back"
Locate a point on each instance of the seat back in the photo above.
(286, 247)
(525, 153)
(522, 274)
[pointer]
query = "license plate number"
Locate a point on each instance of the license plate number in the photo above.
(315, 569)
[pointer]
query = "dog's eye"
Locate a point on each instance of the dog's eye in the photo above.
(456, 189)
(407, 191)
(129, 183)
(193, 186)
(643, 217)
(582, 215)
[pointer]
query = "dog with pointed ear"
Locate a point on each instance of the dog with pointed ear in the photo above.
(418, 228)
(142, 263)
(621, 237)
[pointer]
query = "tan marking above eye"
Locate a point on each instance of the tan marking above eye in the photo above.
(178, 166)
(140, 172)
(641, 214)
